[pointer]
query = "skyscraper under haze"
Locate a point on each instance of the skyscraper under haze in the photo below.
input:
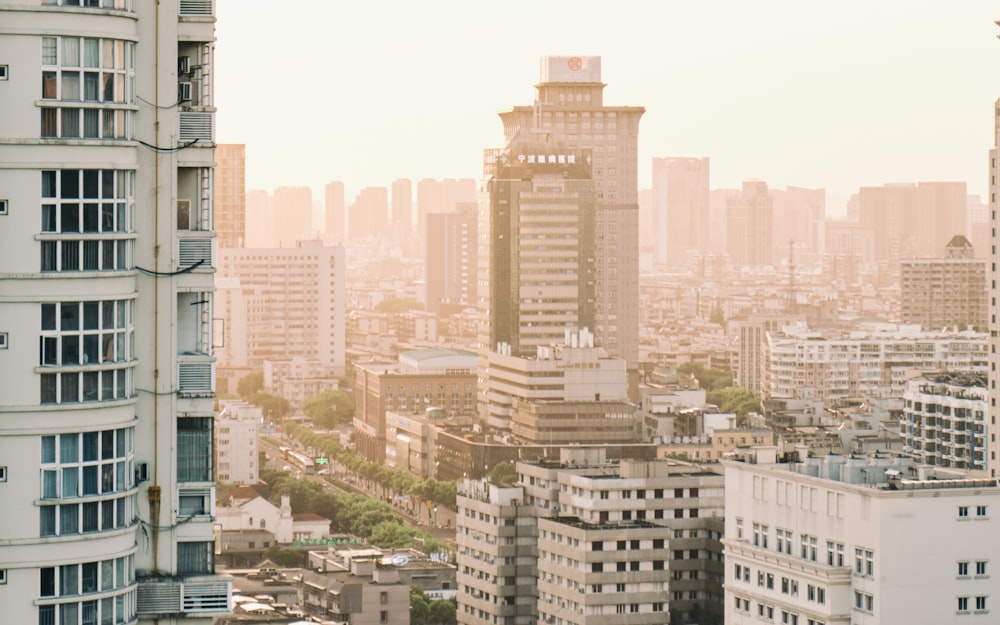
(680, 206)
(450, 267)
(106, 307)
(230, 195)
(749, 225)
(569, 111)
(402, 209)
(334, 213)
(291, 214)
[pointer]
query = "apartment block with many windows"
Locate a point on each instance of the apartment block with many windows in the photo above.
(857, 539)
(106, 306)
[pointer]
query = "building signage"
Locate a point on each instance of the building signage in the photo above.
(547, 158)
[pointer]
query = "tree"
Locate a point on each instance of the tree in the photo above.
(275, 408)
(503, 473)
(708, 378)
(289, 558)
(398, 305)
(250, 384)
(443, 612)
(391, 534)
(734, 399)
(330, 408)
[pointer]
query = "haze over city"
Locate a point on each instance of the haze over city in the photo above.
(851, 94)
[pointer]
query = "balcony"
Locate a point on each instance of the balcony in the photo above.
(196, 596)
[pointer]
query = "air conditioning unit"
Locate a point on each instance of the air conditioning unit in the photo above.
(184, 92)
(141, 472)
(183, 64)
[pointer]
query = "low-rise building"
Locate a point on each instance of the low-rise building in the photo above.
(944, 420)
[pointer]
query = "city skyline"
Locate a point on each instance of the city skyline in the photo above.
(767, 92)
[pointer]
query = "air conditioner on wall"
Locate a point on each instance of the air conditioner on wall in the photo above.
(184, 92)
(183, 64)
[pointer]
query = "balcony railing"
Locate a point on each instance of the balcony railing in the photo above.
(206, 595)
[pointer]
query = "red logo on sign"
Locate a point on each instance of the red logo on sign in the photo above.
(575, 63)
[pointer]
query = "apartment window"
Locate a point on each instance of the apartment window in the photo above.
(808, 544)
(963, 512)
(3, 207)
(87, 220)
(3, 72)
(90, 347)
(383, 617)
(864, 562)
(597, 545)
(864, 601)
(739, 528)
(620, 587)
(980, 603)
(87, 88)
(84, 478)
(3, 576)
(980, 568)
(194, 449)
(195, 558)
(4, 340)
(784, 539)
(66, 588)
(963, 604)
(963, 569)
(834, 554)
(124, 5)
(980, 511)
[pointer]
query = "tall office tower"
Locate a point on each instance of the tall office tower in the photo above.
(334, 215)
(259, 224)
(442, 196)
(278, 303)
(291, 215)
(569, 109)
(718, 200)
(402, 210)
(451, 261)
(945, 292)
(680, 208)
(749, 225)
(106, 289)
(369, 214)
(799, 218)
(913, 220)
(230, 194)
(536, 264)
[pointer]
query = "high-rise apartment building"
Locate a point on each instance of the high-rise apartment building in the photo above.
(569, 110)
(451, 261)
(913, 220)
(799, 217)
(259, 223)
(680, 207)
(334, 213)
(236, 443)
(944, 420)
(369, 214)
(291, 216)
(402, 209)
(848, 539)
(750, 225)
(278, 303)
(106, 298)
(230, 194)
(946, 292)
(442, 196)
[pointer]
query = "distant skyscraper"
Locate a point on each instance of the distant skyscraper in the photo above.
(291, 214)
(569, 109)
(441, 196)
(369, 215)
(451, 259)
(749, 225)
(334, 214)
(799, 217)
(230, 195)
(913, 220)
(680, 208)
(402, 210)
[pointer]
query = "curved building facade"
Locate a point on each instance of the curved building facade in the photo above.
(106, 294)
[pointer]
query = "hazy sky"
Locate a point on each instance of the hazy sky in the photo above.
(795, 92)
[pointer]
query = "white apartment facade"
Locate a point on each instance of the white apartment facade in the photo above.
(944, 420)
(857, 540)
(875, 362)
(106, 306)
(283, 302)
(236, 444)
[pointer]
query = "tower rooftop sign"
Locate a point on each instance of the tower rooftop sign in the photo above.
(584, 69)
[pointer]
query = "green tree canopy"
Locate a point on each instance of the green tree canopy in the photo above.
(708, 378)
(330, 408)
(275, 408)
(503, 473)
(398, 305)
(250, 384)
(285, 557)
(734, 399)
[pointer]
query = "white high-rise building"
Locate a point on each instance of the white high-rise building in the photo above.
(106, 307)
(857, 539)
